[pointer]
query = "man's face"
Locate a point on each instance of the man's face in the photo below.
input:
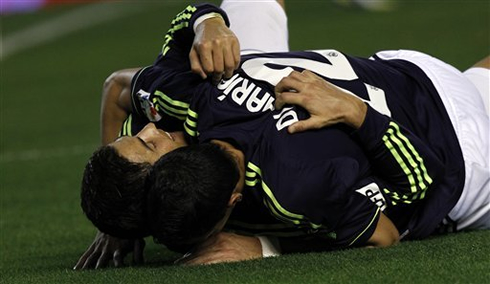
(149, 144)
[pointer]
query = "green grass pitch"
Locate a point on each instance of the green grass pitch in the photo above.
(49, 99)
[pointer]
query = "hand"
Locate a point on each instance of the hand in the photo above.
(105, 247)
(224, 247)
(326, 103)
(215, 51)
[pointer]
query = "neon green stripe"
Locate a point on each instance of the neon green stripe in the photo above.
(170, 110)
(122, 132)
(192, 133)
(192, 114)
(190, 122)
(129, 125)
(250, 174)
(126, 128)
(251, 182)
(170, 113)
(174, 103)
(186, 14)
(412, 163)
(368, 226)
(169, 37)
(278, 206)
(178, 27)
(182, 16)
(272, 197)
(254, 168)
(274, 211)
(400, 161)
(272, 202)
(414, 152)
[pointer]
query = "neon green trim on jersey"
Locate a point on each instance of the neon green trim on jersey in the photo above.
(189, 131)
(271, 202)
(126, 128)
(278, 215)
(129, 125)
(192, 114)
(169, 36)
(169, 107)
(184, 16)
(251, 178)
(368, 226)
(191, 121)
(407, 155)
(170, 101)
(254, 168)
(414, 152)
(417, 173)
(400, 161)
(271, 196)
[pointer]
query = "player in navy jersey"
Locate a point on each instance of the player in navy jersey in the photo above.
(213, 43)
(409, 174)
(155, 101)
(292, 181)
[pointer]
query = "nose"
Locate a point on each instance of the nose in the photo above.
(147, 132)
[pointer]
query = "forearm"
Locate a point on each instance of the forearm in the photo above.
(115, 104)
(399, 157)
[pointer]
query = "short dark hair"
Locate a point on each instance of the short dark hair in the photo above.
(189, 192)
(113, 194)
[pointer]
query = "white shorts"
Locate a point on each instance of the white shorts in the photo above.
(480, 77)
(260, 25)
(472, 125)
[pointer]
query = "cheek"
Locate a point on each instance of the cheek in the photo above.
(165, 150)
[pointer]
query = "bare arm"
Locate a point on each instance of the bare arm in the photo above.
(116, 103)
(385, 233)
(227, 247)
(224, 247)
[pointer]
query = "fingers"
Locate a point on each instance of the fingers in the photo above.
(217, 63)
(81, 261)
(218, 60)
(118, 258)
(196, 66)
(104, 258)
(93, 258)
(304, 125)
(287, 90)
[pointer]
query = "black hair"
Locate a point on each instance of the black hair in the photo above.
(189, 192)
(113, 194)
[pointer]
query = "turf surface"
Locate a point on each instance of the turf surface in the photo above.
(49, 99)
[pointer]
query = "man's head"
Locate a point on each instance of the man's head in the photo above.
(115, 181)
(192, 191)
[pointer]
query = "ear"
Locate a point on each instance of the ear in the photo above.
(235, 197)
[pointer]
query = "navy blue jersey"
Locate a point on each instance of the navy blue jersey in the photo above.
(405, 159)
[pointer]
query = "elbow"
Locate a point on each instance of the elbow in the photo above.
(110, 83)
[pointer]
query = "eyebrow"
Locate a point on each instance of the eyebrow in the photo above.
(144, 143)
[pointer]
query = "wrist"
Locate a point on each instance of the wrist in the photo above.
(201, 19)
(356, 113)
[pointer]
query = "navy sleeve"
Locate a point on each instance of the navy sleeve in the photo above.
(409, 167)
(162, 92)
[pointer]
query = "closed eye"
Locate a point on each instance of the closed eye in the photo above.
(149, 147)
